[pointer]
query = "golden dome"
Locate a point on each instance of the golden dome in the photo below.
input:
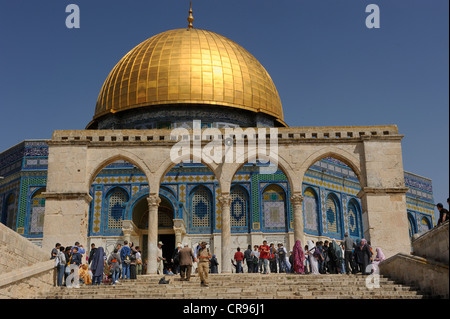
(189, 66)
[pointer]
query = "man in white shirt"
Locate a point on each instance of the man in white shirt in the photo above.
(255, 253)
(160, 258)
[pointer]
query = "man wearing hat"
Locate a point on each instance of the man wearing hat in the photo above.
(160, 258)
(203, 257)
(443, 214)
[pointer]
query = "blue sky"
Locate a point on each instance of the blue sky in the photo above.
(329, 69)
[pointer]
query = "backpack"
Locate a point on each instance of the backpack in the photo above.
(281, 253)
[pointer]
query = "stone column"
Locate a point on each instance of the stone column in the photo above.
(225, 202)
(297, 205)
(180, 230)
(153, 204)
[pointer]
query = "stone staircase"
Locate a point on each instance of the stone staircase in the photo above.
(242, 286)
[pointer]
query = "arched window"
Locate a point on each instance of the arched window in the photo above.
(311, 211)
(411, 225)
(201, 208)
(9, 210)
(354, 219)
(117, 202)
(425, 225)
(333, 220)
(37, 212)
(239, 208)
(274, 208)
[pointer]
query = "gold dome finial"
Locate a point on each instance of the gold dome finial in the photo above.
(191, 17)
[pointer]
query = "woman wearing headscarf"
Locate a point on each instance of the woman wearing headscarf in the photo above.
(378, 259)
(313, 258)
(298, 258)
(355, 250)
(97, 266)
(363, 255)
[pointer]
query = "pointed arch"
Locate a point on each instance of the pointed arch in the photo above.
(102, 161)
(347, 158)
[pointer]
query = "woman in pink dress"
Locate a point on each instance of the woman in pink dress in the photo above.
(299, 258)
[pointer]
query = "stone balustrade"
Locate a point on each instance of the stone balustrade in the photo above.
(25, 269)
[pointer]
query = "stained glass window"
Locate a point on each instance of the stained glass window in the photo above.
(332, 215)
(201, 208)
(37, 212)
(424, 225)
(311, 210)
(116, 208)
(238, 207)
(354, 219)
(274, 208)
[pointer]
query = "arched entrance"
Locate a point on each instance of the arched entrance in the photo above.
(166, 233)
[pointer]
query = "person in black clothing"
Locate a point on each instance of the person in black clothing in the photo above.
(332, 259)
(248, 258)
(92, 253)
(443, 213)
(362, 256)
(176, 259)
(213, 266)
(273, 259)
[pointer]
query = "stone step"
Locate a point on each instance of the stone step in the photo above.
(242, 286)
(234, 291)
(195, 286)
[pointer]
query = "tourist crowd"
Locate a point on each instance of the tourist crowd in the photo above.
(321, 257)
(125, 261)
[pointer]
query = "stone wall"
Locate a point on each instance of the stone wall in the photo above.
(428, 267)
(430, 277)
(25, 268)
(434, 244)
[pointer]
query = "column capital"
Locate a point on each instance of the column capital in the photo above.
(297, 199)
(153, 200)
(224, 200)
